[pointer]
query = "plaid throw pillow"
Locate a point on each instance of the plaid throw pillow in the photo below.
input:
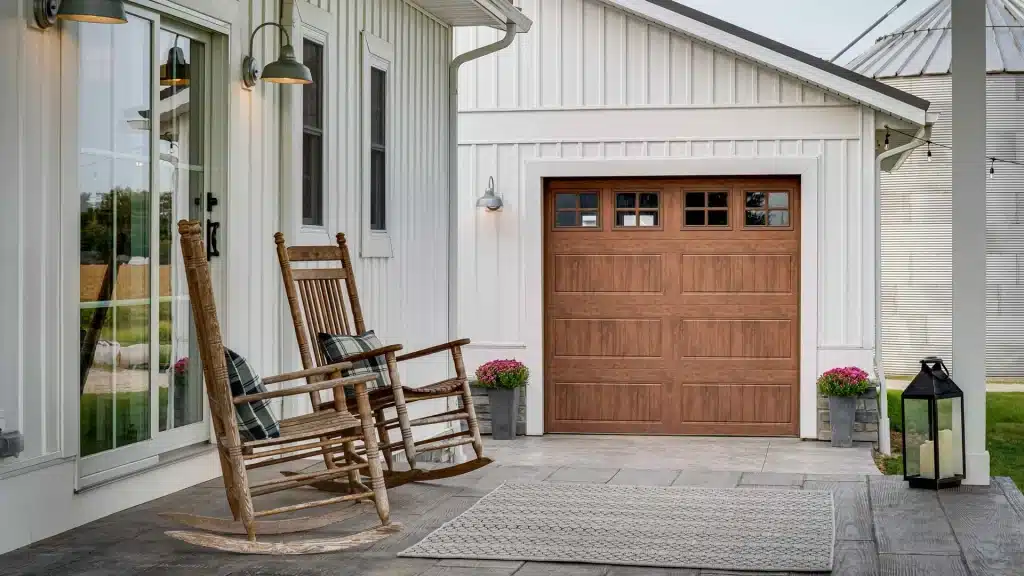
(255, 420)
(338, 347)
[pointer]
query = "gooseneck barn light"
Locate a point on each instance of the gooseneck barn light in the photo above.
(285, 70)
(176, 71)
(99, 11)
(489, 200)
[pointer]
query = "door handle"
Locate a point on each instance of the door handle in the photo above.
(211, 237)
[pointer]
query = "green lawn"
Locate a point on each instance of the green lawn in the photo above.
(97, 422)
(1004, 434)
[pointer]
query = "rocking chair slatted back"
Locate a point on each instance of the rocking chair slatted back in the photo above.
(317, 296)
(211, 354)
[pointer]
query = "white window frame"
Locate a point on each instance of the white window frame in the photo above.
(379, 54)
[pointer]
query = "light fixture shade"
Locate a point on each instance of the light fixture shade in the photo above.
(99, 11)
(489, 200)
(287, 69)
(176, 72)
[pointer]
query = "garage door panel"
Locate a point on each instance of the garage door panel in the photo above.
(605, 337)
(737, 273)
(618, 273)
(736, 371)
(656, 306)
(731, 338)
(659, 242)
(754, 404)
(607, 402)
(614, 371)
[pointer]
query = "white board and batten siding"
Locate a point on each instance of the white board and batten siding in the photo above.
(916, 200)
(593, 82)
(404, 297)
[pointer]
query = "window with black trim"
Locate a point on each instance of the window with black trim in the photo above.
(378, 148)
(768, 208)
(709, 209)
(637, 209)
(313, 136)
(577, 210)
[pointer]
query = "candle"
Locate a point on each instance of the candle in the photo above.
(928, 459)
(948, 452)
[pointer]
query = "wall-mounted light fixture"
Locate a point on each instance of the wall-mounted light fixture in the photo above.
(100, 11)
(489, 200)
(285, 70)
(176, 71)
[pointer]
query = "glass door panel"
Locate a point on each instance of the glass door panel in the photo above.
(143, 113)
(114, 193)
(182, 182)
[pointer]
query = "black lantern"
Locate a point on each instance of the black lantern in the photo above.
(933, 428)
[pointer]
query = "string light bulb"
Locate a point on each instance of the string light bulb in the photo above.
(929, 151)
(992, 169)
(886, 138)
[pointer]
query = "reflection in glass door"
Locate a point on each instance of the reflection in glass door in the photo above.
(142, 104)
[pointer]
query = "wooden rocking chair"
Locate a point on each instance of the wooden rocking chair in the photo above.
(320, 433)
(317, 300)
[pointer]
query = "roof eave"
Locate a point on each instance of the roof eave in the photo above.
(772, 54)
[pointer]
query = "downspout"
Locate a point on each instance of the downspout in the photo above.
(453, 167)
(883, 401)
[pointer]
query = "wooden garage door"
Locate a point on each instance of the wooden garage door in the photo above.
(671, 306)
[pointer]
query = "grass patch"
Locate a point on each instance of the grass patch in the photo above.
(1004, 435)
(96, 415)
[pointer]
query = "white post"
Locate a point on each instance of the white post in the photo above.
(969, 168)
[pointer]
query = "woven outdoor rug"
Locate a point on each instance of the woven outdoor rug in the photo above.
(730, 529)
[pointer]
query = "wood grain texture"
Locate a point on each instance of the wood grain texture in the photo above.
(913, 565)
(607, 273)
(909, 521)
(855, 558)
(737, 273)
(989, 531)
(317, 546)
(708, 313)
(853, 511)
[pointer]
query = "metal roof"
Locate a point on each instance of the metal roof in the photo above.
(790, 52)
(924, 45)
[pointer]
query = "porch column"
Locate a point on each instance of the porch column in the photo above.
(969, 169)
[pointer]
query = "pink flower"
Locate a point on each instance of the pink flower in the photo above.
(503, 374)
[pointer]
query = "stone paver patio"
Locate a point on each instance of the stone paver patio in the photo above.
(883, 528)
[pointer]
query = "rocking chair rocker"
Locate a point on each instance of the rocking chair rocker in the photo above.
(321, 433)
(317, 300)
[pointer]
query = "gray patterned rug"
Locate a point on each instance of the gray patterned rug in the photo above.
(731, 529)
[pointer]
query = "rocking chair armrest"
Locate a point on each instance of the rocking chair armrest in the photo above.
(351, 358)
(298, 374)
(433, 349)
(305, 388)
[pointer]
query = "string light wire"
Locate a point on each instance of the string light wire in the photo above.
(991, 159)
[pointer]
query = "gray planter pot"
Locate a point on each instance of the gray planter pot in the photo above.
(842, 410)
(504, 410)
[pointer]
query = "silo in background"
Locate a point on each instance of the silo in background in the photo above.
(916, 199)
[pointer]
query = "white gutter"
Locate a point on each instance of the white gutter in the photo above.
(511, 28)
(883, 401)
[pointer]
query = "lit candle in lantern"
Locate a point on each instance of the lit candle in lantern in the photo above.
(928, 459)
(946, 451)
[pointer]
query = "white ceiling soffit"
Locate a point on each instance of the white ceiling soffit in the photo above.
(494, 13)
(786, 59)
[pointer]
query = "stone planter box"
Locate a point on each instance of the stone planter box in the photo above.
(865, 422)
(483, 409)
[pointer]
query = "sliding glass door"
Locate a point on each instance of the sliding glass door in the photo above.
(143, 102)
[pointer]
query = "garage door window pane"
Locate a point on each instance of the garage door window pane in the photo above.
(706, 209)
(588, 219)
(565, 219)
(694, 217)
(649, 201)
(778, 218)
(625, 200)
(565, 201)
(755, 199)
(718, 218)
(778, 200)
(637, 209)
(588, 201)
(756, 218)
(767, 208)
(694, 199)
(718, 199)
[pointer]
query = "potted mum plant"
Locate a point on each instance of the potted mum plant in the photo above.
(843, 386)
(503, 380)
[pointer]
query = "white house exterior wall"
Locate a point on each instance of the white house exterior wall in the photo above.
(916, 237)
(592, 82)
(404, 297)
